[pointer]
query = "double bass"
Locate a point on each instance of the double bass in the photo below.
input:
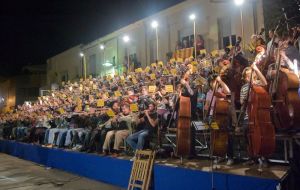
(183, 136)
(286, 102)
(261, 133)
(219, 137)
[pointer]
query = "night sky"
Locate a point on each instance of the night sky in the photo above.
(32, 31)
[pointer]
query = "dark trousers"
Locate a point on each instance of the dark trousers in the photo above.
(91, 141)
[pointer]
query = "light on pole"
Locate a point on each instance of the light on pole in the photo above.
(240, 4)
(193, 18)
(154, 25)
(126, 39)
(102, 47)
(84, 64)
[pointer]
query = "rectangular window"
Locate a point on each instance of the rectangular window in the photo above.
(226, 38)
(92, 65)
(64, 76)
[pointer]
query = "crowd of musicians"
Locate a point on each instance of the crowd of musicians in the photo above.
(130, 111)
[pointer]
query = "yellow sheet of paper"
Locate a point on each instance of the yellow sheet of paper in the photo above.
(78, 109)
(138, 70)
(106, 94)
(151, 89)
(203, 51)
(122, 77)
(147, 69)
(165, 72)
(173, 72)
(194, 69)
(100, 103)
(117, 93)
(153, 64)
(213, 125)
(80, 88)
(169, 88)
(61, 111)
(134, 81)
(160, 63)
(214, 53)
(194, 62)
(172, 60)
(230, 46)
(152, 77)
(134, 107)
(179, 60)
(110, 113)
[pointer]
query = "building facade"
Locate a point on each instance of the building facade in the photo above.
(64, 66)
(217, 21)
(23, 87)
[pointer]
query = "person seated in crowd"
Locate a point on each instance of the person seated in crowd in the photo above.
(50, 134)
(79, 135)
(121, 128)
(37, 133)
(199, 43)
(146, 127)
(70, 133)
(95, 139)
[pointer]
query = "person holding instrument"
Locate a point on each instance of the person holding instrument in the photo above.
(257, 79)
(146, 125)
(218, 90)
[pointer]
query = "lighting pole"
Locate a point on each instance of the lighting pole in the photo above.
(193, 18)
(84, 64)
(102, 47)
(154, 25)
(239, 3)
(126, 39)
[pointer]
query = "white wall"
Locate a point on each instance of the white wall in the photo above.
(173, 23)
(68, 62)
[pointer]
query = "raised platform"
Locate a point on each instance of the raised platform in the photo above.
(193, 175)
